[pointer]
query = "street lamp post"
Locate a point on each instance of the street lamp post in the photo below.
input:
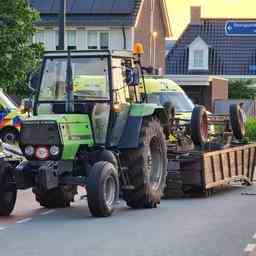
(154, 35)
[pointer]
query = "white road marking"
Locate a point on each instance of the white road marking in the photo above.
(3, 228)
(48, 212)
(250, 248)
(23, 221)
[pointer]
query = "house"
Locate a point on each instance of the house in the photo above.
(108, 24)
(219, 48)
(209, 47)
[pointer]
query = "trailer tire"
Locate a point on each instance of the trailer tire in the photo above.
(199, 126)
(237, 122)
(147, 167)
(59, 197)
(8, 192)
(102, 189)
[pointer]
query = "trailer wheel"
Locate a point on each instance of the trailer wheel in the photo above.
(59, 197)
(237, 121)
(102, 189)
(199, 126)
(8, 190)
(147, 167)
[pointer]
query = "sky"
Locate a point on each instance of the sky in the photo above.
(179, 11)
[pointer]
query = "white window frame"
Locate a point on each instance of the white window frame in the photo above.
(198, 46)
(198, 58)
(98, 38)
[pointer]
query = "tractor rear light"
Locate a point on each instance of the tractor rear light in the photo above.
(42, 153)
(29, 151)
(54, 150)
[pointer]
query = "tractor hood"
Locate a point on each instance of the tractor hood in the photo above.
(70, 131)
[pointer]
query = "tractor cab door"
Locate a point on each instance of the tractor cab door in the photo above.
(121, 100)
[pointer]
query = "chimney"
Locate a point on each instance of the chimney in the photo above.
(195, 15)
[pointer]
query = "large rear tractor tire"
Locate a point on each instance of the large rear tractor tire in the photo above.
(237, 121)
(8, 191)
(59, 197)
(199, 126)
(102, 189)
(147, 167)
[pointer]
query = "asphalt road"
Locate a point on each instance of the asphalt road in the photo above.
(222, 225)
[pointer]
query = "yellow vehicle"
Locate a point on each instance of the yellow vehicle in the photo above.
(163, 91)
(10, 119)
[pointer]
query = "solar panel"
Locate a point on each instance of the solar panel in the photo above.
(86, 6)
(124, 6)
(80, 6)
(102, 6)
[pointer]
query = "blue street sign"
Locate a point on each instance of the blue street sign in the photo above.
(240, 28)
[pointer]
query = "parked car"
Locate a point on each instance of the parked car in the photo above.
(10, 119)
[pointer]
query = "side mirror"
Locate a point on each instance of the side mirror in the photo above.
(33, 79)
(132, 77)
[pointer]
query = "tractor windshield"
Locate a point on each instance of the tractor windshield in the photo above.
(180, 100)
(90, 79)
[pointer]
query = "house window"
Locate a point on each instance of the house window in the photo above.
(97, 40)
(39, 37)
(198, 58)
(104, 40)
(92, 40)
(71, 38)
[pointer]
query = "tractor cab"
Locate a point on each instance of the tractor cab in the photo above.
(97, 86)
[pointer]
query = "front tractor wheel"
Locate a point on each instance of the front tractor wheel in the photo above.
(147, 167)
(59, 197)
(102, 189)
(8, 191)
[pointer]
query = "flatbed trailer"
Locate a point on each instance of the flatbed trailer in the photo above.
(199, 171)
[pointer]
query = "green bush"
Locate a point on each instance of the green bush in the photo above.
(250, 127)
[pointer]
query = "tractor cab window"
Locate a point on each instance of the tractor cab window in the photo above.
(121, 92)
(90, 79)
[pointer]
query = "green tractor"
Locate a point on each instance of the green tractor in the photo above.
(90, 128)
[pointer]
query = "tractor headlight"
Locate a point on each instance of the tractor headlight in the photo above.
(42, 153)
(54, 150)
(29, 151)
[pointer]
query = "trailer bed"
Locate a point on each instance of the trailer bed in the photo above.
(200, 171)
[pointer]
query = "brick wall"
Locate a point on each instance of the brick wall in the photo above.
(143, 34)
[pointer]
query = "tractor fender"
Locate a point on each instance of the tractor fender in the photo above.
(131, 133)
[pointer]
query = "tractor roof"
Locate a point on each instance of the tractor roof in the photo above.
(112, 53)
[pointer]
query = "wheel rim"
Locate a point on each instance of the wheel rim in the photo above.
(110, 191)
(155, 164)
(9, 138)
(204, 126)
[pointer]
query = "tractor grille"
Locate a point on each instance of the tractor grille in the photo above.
(39, 133)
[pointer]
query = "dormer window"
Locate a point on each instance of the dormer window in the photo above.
(198, 58)
(198, 55)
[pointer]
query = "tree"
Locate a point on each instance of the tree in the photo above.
(18, 55)
(242, 89)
